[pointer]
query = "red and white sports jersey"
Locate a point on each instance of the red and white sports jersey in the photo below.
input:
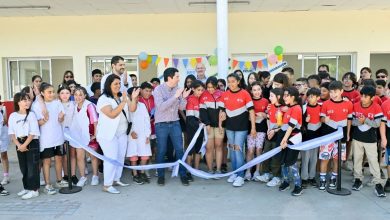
(272, 116)
(209, 107)
(192, 107)
(314, 113)
(236, 105)
(353, 95)
(383, 98)
(339, 113)
(366, 133)
(292, 118)
(386, 113)
(260, 105)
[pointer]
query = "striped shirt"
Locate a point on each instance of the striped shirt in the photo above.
(167, 106)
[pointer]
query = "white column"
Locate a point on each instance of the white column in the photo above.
(222, 38)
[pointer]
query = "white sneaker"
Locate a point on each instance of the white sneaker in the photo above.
(274, 182)
(248, 175)
(111, 190)
(5, 180)
(255, 175)
(82, 181)
(50, 190)
(264, 178)
(95, 181)
(61, 184)
(119, 183)
(23, 192)
(31, 194)
(232, 178)
(239, 181)
(42, 181)
(88, 159)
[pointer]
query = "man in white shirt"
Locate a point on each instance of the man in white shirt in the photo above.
(96, 77)
(118, 68)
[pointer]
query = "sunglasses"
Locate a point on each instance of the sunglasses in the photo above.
(68, 77)
(381, 76)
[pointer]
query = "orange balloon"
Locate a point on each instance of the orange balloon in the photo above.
(144, 64)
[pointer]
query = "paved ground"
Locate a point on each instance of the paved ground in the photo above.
(204, 199)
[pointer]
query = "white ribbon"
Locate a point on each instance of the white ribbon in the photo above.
(307, 145)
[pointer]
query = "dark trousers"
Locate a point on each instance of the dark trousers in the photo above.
(29, 166)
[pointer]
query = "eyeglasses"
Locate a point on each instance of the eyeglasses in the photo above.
(381, 76)
(297, 84)
(68, 77)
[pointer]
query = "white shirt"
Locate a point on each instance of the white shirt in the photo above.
(123, 87)
(20, 126)
(69, 108)
(89, 91)
(52, 134)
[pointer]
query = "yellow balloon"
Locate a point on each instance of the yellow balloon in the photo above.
(280, 57)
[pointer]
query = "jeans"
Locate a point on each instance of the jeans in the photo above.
(236, 138)
(173, 131)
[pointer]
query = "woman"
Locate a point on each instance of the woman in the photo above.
(112, 129)
(242, 80)
(68, 75)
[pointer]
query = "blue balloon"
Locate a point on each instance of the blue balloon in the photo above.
(143, 56)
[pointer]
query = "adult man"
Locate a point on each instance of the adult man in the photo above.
(289, 72)
(200, 70)
(323, 68)
(118, 68)
(168, 99)
(96, 77)
(381, 74)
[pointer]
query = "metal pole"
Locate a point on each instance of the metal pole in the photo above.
(222, 38)
(71, 189)
(339, 191)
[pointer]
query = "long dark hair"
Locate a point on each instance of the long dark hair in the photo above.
(192, 77)
(107, 85)
(278, 92)
(292, 91)
(19, 97)
(83, 90)
(65, 73)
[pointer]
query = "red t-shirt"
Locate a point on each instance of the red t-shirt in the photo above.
(272, 115)
(386, 117)
(260, 105)
(339, 113)
(315, 119)
(236, 105)
(353, 95)
(293, 118)
(364, 132)
(192, 107)
(383, 98)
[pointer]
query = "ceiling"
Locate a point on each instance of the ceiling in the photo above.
(109, 7)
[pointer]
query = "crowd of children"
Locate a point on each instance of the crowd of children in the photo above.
(250, 117)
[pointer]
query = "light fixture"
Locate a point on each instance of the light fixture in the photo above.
(328, 5)
(35, 7)
(207, 3)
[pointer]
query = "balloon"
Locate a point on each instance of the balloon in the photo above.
(272, 59)
(144, 64)
(213, 60)
(143, 56)
(280, 57)
(149, 59)
(278, 50)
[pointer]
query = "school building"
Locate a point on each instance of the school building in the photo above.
(47, 37)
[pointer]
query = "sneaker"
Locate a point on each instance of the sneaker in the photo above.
(239, 181)
(274, 182)
(156, 173)
(119, 183)
(161, 181)
(332, 183)
(145, 178)
(379, 190)
(23, 192)
(111, 190)
(322, 185)
(224, 168)
(3, 192)
(137, 179)
(74, 179)
(42, 181)
(88, 159)
(297, 191)
(5, 180)
(284, 186)
(357, 185)
(184, 180)
(95, 181)
(61, 184)
(31, 194)
(305, 183)
(50, 190)
(313, 182)
(82, 181)
(264, 178)
(255, 175)
(217, 172)
(232, 178)
(189, 177)
(387, 186)
(248, 176)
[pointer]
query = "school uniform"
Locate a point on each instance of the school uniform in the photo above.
(209, 112)
(193, 122)
(260, 106)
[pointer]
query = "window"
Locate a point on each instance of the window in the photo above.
(305, 65)
(379, 61)
(21, 70)
(104, 64)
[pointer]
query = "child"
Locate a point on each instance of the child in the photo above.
(271, 167)
(24, 131)
(266, 86)
(314, 81)
(380, 90)
(237, 107)
(367, 116)
(324, 92)
(280, 80)
(371, 82)
(95, 88)
(64, 97)
(335, 113)
(192, 124)
(209, 113)
(3, 192)
(256, 143)
(385, 139)
(290, 134)
(302, 85)
(4, 142)
(83, 128)
(139, 139)
(312, 124)
(349, 86)
(51, 139)
(252, 77)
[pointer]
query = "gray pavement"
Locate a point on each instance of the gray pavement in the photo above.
(203, 199)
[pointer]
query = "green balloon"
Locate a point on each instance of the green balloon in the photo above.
(213, 60)
(278, 50)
